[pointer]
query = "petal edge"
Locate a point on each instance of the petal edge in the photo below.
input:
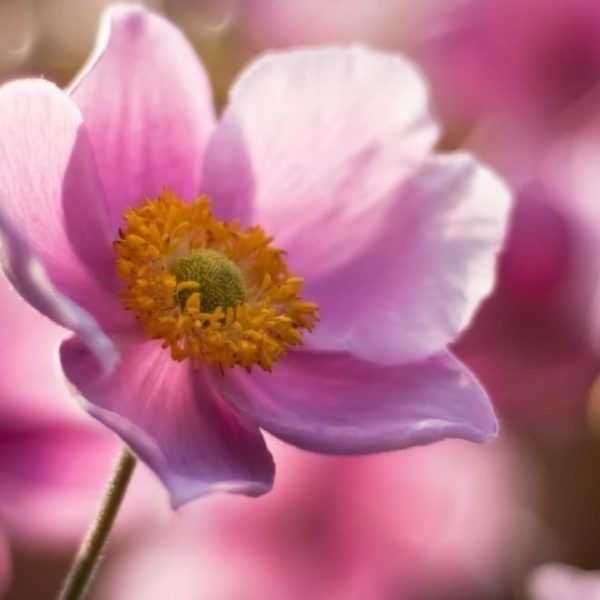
(338, 404)
(171, 417)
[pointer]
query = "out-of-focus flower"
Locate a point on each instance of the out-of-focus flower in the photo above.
(563, 582)
(532, 66)
(52, 470)
(309, 136)
(569, 168)
(522, 77)
(410, 525)
(530, 342)
(284, 23)
(5, 564)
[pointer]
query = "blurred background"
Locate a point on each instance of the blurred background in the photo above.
(517, 83)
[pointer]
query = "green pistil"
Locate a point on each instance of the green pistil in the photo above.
(220, 280)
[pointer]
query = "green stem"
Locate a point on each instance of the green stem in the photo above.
(90, 551)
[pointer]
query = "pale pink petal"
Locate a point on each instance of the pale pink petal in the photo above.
(31, 280)
(318, 137)
(50, 189)
(173, 419)
(147, 104)
(430, 261)
(339, 404)
(330, 147)
(56, 249)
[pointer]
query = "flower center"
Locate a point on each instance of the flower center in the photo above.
(220, 282)
(212, 291)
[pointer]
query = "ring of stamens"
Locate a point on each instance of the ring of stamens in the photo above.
(212, 291)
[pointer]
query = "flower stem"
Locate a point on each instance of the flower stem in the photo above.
(89, 554)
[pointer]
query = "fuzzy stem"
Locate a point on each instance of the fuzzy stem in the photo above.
(90, 550)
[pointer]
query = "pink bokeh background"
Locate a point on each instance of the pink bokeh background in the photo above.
(517, 84)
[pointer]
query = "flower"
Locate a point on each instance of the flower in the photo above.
(433, 522)
(569, 168)
(315, 195)
(563, 582)
(272, 23)
(515, 69)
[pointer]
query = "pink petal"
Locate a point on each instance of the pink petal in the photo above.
(32, 282)
(339, 404)
(329, 147)
(173, 419)
(147, 103)
(430, 262)
(53, 222)
(318, 136)
(50, 187)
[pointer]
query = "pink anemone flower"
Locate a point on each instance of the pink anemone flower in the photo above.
(155, 233)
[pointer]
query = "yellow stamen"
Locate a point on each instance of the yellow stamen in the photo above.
(212, 291)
